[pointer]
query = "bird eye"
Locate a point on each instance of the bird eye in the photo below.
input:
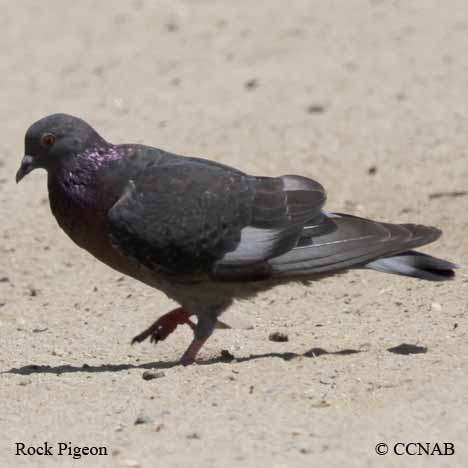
(47, 139)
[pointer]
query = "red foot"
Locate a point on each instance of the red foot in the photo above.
(165, 325)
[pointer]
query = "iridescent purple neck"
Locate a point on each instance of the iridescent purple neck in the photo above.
(82, 179)
(100, 155)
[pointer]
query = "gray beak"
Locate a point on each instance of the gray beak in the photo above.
(27, 165)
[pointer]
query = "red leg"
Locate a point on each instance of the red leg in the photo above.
(192, 351)
(165, 325)
(205, 326)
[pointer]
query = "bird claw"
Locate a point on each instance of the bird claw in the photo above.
(164, 326)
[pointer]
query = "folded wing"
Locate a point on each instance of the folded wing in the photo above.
(194, 218)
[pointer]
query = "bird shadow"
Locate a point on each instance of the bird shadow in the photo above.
(225, 357)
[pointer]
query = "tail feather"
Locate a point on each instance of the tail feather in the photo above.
(416, 264)
(353, 242)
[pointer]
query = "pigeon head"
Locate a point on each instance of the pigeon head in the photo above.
(55, 138)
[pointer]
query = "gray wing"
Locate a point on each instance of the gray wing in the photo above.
(192, 217)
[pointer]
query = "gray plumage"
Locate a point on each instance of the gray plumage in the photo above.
(199, 230)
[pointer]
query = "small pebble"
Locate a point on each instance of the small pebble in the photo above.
(150, 375)
(321, 404)
(159, 427)
(279, 337)
(172, 27)
(315, 109)
(226, 356)
(143, 420)
(251, 84)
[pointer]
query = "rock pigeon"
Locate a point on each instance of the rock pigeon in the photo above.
(202, 232)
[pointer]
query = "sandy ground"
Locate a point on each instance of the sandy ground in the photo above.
(370, 98)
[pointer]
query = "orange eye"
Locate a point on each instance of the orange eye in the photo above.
(47, 139)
